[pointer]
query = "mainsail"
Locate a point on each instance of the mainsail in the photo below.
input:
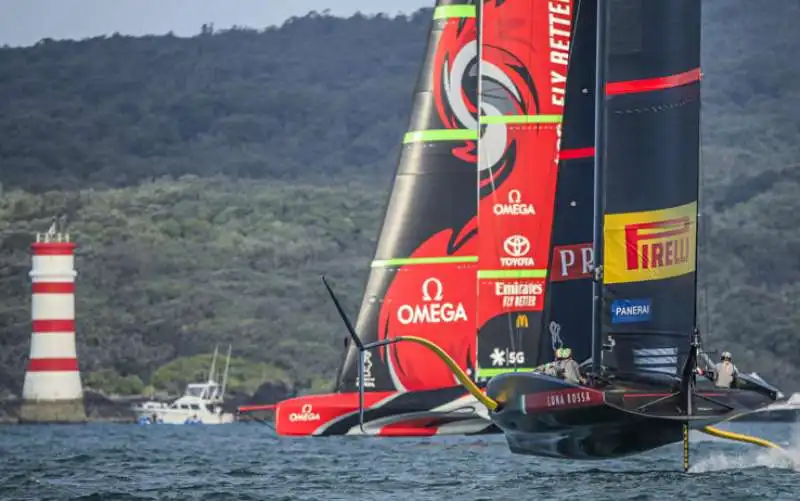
(650, 172)
(568, 319)
(423, 278)
(524, 51)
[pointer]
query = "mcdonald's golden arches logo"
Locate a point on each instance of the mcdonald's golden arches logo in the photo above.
(522, 321)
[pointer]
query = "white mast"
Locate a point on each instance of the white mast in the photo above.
(225, 375)
(213, 364)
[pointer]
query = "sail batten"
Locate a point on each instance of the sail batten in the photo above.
(512, 273)
(521, 119)
(410, 261)
(435, 135)
(454, 12)
(653, 84)
(576, 153)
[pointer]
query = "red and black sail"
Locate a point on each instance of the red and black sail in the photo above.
(423, 278)
(524, 50)
(650, 163)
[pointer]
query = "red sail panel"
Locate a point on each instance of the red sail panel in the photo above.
(524, 54)
(434, 301)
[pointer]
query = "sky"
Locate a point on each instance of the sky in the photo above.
(25, 22)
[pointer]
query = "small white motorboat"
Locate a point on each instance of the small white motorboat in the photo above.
(200, 404)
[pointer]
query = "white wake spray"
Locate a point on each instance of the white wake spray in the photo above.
(787, 459)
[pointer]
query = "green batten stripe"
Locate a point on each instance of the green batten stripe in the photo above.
(451, 11)
(497, 372)
(379, 263)
(421, 136)
(521, 119)
(512, 273)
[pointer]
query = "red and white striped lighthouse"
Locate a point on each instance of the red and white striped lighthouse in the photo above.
(52, 390)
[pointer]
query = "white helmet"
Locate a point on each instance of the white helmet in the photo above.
(726, 355)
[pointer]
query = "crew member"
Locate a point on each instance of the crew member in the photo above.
(725, 371)
(569, 370)
(552, 368)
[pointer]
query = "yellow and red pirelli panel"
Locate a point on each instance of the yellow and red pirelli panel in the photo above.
(650, 245)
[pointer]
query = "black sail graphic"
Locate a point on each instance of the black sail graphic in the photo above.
(651, 171)
(568, 318)
(423, 279)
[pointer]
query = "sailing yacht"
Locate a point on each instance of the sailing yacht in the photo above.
(461, 260)
(633, 106)
(423, 275)
(201, 403)
(622, 279)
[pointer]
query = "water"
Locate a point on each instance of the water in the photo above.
(247, 462)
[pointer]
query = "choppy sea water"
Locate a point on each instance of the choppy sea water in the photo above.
(248, 462)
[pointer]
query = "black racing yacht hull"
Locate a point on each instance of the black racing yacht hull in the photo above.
(545, 416)
(772, 415)
(784, 411)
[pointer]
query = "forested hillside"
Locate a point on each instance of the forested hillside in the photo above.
(210, 181)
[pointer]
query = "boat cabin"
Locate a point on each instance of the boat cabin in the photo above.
(205, 391)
